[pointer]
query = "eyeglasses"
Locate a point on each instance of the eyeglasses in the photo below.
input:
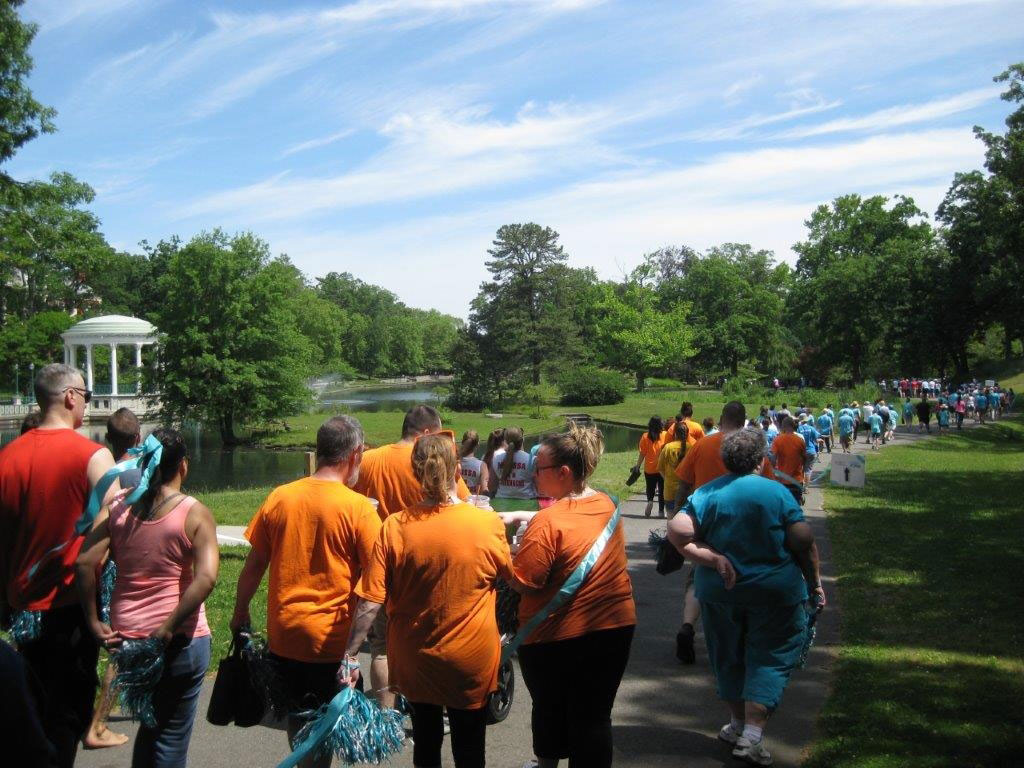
(86, 393)
(546, 466)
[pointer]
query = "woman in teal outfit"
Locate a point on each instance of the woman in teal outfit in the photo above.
(757, 565)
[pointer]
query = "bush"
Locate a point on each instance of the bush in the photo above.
(591, 386)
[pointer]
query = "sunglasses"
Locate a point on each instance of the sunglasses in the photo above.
(86, 393)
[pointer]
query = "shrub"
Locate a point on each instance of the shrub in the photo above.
(589, 385)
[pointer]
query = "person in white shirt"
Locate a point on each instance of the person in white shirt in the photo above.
(514, 468)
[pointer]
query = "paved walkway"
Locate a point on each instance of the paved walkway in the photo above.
(666, 714)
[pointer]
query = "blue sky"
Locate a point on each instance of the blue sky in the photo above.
(391, 138)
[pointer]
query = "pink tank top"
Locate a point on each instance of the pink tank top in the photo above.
(154, 568)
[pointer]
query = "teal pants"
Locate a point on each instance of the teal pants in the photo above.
(753, 648)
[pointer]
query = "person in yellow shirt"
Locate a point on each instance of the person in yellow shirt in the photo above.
(671, 454)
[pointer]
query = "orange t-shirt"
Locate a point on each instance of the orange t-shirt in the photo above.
(789, 450)
(386, 475)
(696, 431)
(319, 536)
(555, 542)
(651, 449)
(703, 463)
(436, 568)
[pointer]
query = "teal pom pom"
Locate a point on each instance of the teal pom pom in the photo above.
(360, 732)
(107, 589)
(140, 665)
(26, 626)
(655, 539)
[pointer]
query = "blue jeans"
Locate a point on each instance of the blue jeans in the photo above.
(174, 701)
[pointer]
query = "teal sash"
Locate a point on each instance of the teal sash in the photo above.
(151, 451)
(569, 588)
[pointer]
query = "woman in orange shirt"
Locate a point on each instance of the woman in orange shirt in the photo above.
(651, 443)
(435, 566)
(574, 660)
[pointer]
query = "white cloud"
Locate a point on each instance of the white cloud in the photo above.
(759, 196)
(741, 86)
(434, 153)
(892, 117)
(323, 141)
(53, 14)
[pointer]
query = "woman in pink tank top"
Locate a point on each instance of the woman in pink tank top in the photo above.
(167, 558)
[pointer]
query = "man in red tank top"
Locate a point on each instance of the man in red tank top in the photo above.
(46, 476)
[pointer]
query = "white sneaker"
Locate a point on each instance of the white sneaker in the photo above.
(729, 735)
(754, 753)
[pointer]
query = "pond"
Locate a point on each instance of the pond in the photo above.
(379, 398)
(214, 467)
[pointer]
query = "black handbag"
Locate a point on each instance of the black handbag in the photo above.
(235, 696)
(634, 474)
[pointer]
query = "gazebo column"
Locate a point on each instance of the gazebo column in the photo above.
(113, 369)
(88, 366)
(138, 369)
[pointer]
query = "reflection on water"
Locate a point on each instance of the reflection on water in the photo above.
(213, 467)
(378, 399)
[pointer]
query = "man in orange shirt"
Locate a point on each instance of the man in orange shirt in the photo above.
(789, 451)
(316, 535)
(386, 475)
(702, 464)
(696, 430)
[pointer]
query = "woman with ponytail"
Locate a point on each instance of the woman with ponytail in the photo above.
(574, 659)
(495, 443)
(167, 558)
(474, 471)
(514, 468)
(435, 566)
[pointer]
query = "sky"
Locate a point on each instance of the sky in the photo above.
(391, 138)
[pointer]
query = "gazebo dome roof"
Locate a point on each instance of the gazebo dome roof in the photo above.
(110, 326)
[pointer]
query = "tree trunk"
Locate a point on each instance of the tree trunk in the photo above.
(734, 365)
(641, 379)
(227, 429)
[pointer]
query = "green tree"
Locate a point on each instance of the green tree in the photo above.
(638, 337)
(22, 118)
(50, 247)
(33, 340)
(232, 349)
(1003, 199)
(524, 311)
(858, 254)
(738, 299)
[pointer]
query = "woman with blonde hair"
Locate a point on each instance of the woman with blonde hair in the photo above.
(573, 659)
(434, 567)
(514, 468)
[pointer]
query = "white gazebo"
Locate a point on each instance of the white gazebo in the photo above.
(111, 331)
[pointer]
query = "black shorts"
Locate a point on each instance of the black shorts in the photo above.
(306, 685)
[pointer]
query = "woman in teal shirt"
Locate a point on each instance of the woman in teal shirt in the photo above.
(757, 562)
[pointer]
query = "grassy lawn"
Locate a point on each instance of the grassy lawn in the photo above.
(221, 603)
(638, 407)
(234, 507)
(930, 553)
(386, 426)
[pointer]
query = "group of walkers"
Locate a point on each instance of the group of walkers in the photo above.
(398, 548)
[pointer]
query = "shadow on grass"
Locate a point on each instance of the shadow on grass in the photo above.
(887, 709)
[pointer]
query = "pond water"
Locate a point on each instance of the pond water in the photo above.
(379, 398)
(213, 467)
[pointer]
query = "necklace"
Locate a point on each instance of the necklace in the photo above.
(153, 510)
